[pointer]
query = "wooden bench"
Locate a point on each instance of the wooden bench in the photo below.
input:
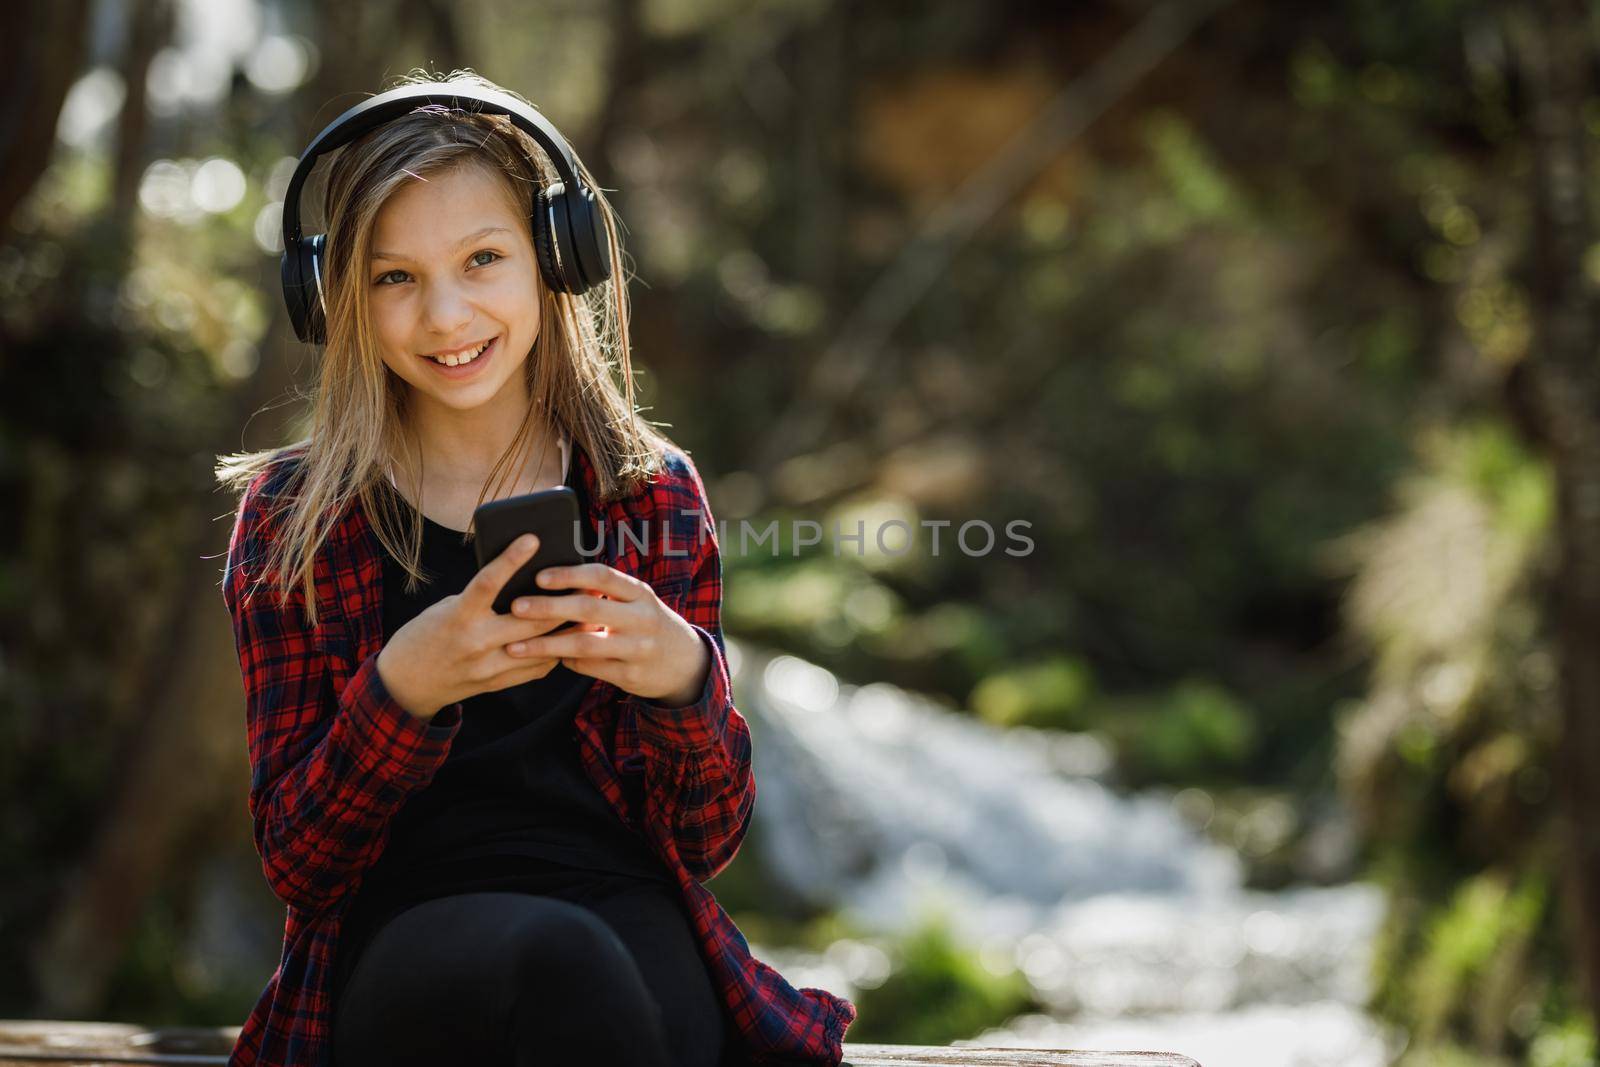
(89, 1044)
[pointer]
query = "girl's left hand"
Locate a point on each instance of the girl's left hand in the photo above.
(624, 634)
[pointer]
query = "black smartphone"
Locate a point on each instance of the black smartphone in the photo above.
(552, 516)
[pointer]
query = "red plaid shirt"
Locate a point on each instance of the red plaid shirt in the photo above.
(333, 757)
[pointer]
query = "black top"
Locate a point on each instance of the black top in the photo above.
(511, 804)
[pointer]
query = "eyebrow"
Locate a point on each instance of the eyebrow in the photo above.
(468, 239)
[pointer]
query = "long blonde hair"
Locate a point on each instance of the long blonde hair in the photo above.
(358, 424)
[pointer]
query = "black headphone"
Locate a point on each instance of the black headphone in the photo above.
(573, 247)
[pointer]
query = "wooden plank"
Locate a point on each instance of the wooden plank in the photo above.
(86, 1044)
(60, 1042)
(916, 1055)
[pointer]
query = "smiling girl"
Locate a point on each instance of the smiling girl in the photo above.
(490, 838)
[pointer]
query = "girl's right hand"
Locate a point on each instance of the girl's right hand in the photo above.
(456, 648)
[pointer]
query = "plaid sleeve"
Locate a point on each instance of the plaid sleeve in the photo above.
(700, 752)
(328, 768)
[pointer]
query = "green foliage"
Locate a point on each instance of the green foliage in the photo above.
(1513, 482)
(1051, 694)
(937, 994)
(1448, 759)
(1567, 1043)
(1485, 923)
(158, 982)
(1190, 168)
(1472, 969)
(837, 612)
(1195, 731)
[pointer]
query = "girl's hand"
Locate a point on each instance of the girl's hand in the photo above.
(625, 634)
(456, 648)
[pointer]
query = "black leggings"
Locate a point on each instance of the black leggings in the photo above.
(509, 979)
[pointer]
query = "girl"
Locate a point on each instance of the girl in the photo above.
(490, 837)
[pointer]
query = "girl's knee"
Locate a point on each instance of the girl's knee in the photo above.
(563, 946)
(576, 987)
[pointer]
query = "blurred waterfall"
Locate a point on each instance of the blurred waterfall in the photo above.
(1134, 928)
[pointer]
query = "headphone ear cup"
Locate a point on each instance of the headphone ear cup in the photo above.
(301, 271)
(544, 240)
(591, 246)
(294, 296)
(574, 253)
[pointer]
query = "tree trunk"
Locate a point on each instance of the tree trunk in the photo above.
(48, 45)
(149, 28)
(1553, 45)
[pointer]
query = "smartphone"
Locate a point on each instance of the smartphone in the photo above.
(552, 516)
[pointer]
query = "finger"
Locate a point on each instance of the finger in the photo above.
(519, 646)
(487, 583)
(591, 609)
(507, 630)
(574, 644)
(511, 631)
(589, 627)
(594, 576)
(600, 667)
(518, 671)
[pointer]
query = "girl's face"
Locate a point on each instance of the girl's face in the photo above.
(453, 267)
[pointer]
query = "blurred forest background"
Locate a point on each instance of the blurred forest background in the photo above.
(1276, 321)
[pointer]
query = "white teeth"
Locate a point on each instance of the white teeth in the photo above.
(456, 361)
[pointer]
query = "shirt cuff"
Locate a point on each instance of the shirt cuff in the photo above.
(392, 743)
(694, 726)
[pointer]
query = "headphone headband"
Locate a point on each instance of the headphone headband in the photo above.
(370, 114)
(569, 237)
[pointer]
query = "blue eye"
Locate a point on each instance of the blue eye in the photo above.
(380, 279)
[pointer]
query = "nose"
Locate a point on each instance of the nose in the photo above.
(446, 312)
